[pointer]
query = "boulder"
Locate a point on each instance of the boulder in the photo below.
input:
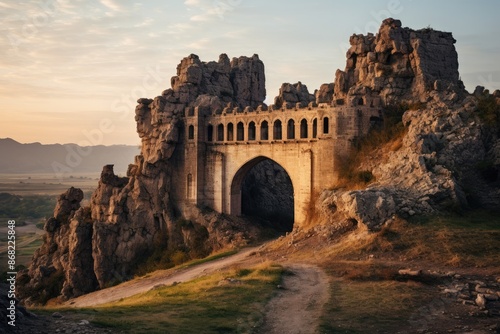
(325, 93)
(371, 208)
(293, 94)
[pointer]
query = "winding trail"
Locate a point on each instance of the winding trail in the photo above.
(299, 305)
(296, 308)
(165, 277)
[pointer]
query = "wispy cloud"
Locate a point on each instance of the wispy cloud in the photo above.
(4, 5)
(192, 3)
(211, 10)
(179, 28)
(200, 44)
(147, 22)
(111, 4)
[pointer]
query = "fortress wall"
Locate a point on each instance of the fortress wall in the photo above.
(219, 149)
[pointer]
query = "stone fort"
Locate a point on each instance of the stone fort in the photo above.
(204, 138)
(220, 148)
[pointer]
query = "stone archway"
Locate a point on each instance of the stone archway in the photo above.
(263, 189)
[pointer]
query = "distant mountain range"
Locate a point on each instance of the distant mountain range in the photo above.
(63, 159)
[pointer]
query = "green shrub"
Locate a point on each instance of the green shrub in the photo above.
(26, 207)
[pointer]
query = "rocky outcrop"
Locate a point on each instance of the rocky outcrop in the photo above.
(371, 208)
(398, 64)
(291, 95)
(240, 81)
(324, 94)
(448, 156)
(211, 87)
(61, 265)
(448, 160)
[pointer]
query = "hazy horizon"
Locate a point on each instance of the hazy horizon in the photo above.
(63, 160)
(72, 71)
(64, 143)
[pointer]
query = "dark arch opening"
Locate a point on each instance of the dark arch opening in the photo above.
(220, 132)
(210, 132)
(191, 132)
(251, 131)
(240, 132)
(264, 131)
(291, 129)
(303, 128)
(277, 130)
(326, 125)
(354, 60)
(266, 193)
(230, 131)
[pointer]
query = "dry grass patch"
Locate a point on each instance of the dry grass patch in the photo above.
(472, 240)
(372, 306)
(369, 296)
(226, 302)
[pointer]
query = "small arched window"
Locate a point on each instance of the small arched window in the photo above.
(251, 131)
(303, 128)
(240, 132)
(277, 130)
(230, 132)
(315, 128)
(290, 133)
(264, 131)
(210, 132)
(326, 125)
(191, 132)
(220, 132)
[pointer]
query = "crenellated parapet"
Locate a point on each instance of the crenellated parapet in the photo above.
(233, 125)
(262, 125)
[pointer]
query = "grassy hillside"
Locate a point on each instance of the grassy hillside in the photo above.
(226, 302)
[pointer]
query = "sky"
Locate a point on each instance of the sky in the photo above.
(72, 70)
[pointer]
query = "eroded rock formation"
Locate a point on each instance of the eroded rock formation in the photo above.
(438, 166)
(63, 264)
(324, 94)
(398, 64)
(292, 95)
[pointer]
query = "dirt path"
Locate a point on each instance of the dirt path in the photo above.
(166, 277)
(298, 306)
(296, 309)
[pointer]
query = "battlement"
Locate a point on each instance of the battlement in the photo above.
(286, 124)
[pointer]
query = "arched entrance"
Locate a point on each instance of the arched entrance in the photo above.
(263, 189)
